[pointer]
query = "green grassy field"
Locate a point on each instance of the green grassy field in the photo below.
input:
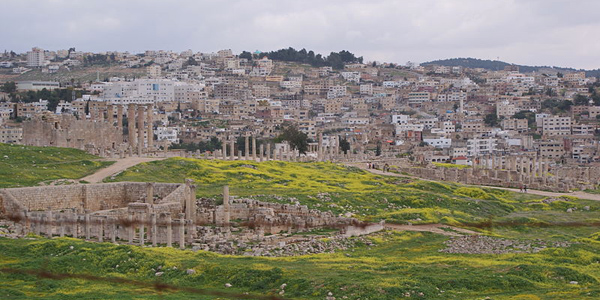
(397, 265)
(27, 165)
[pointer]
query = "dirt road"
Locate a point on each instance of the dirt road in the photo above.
(118, 166)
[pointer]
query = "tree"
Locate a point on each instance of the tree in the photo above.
(296, 138)
(345, 145)
(580, 100)
(9, 87)
(247, 55)
(491, 119)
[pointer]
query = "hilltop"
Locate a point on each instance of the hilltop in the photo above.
(496, 65)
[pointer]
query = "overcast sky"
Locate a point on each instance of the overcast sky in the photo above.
(531, 32)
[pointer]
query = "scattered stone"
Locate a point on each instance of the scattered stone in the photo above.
(477, 244)
(190, 271)
(228, 285)
(159, 273)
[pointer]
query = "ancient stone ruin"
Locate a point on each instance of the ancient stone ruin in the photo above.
(168, 214)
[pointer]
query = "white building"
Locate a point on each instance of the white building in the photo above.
(477, 147)
(35, 57)
(439, 142)
(167, 133)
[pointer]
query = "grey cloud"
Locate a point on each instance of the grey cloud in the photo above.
(526, 32)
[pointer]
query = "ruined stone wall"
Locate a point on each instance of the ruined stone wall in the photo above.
(93, 197)
(67, 131)
(172, 193)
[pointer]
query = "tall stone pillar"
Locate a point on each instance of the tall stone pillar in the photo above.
(120, 117)
(110, 114)
(154, 229)
(113, 230)
(232, 147)
(247, 147)
(320, 147)
(253, 148)
(131, 126)
(226, 208)
(140, 128)
(100, 229)
(61, 224)
(49, 223)
(88, 225)
(262, 152)
(149, 131)
(190, 205)
(169, 229)
(150, 192)
(131, 228)
(269, 151)
(181, 231)
(142, 225)
(75, 223)
(224, 149)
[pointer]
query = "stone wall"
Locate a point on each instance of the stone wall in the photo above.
(92, 197)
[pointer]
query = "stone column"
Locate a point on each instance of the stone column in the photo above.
(224, 149)
(262, 152)
(150, 192)
(88, 229)
(131, 126)
(154, 229)
(120, 117)
(110, 111)
(113, 230)
(61, 225)
(38, 224)
(246, 147)
(100, 229)
(140, 128)
(226, 205)
(131, 228)
(269, 151)
(169, 229)
(254, 148)
(320, 147)
(49, 223)
(149, 131)
(190, 205)
(75, 229)
(232, 147)
(142, 225)
(181, 231)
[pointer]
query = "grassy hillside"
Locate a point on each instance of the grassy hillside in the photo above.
(395, 266)
(391, 265)
(341, 189)
(27, 166)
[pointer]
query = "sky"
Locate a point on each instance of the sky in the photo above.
(528, 32)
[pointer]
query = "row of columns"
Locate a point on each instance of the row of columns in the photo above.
(139, 226)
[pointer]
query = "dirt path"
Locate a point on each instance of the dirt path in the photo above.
(578, 194)
(118, 166)
(435, 228)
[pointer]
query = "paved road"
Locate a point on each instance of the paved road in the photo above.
(578, 194)
(119, 165)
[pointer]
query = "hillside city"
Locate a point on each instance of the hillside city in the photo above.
(295, 175)
(198, 101)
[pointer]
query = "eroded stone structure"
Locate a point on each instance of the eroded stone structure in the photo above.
(99, 135)
(162, 214)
